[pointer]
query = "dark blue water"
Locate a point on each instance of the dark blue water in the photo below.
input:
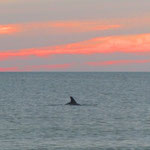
(114, 112)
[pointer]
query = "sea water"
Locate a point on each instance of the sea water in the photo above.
(114, 112)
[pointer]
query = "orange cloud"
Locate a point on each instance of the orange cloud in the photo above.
(111, 44)
(116, 62)
(9, 29)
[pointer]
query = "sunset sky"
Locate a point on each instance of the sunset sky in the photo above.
(74, 35)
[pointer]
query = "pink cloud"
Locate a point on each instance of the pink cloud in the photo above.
(7, 69)
(51, 67)
(138, 44)
(9, 29)
(57, 27)
(47, 67)
(116, 62)
(75, 26)
(82, 26)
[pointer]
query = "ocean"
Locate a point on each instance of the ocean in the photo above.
(114, 112)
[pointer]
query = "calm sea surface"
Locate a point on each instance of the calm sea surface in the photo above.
(114, 112)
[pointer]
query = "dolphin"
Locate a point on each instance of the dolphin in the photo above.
(72, 101)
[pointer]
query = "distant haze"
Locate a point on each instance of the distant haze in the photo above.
(74, 35)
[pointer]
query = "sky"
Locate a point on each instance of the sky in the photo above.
(74, 35)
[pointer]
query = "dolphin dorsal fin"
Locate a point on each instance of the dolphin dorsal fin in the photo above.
(72, 100)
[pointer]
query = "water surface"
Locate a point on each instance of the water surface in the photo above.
(115, 111)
